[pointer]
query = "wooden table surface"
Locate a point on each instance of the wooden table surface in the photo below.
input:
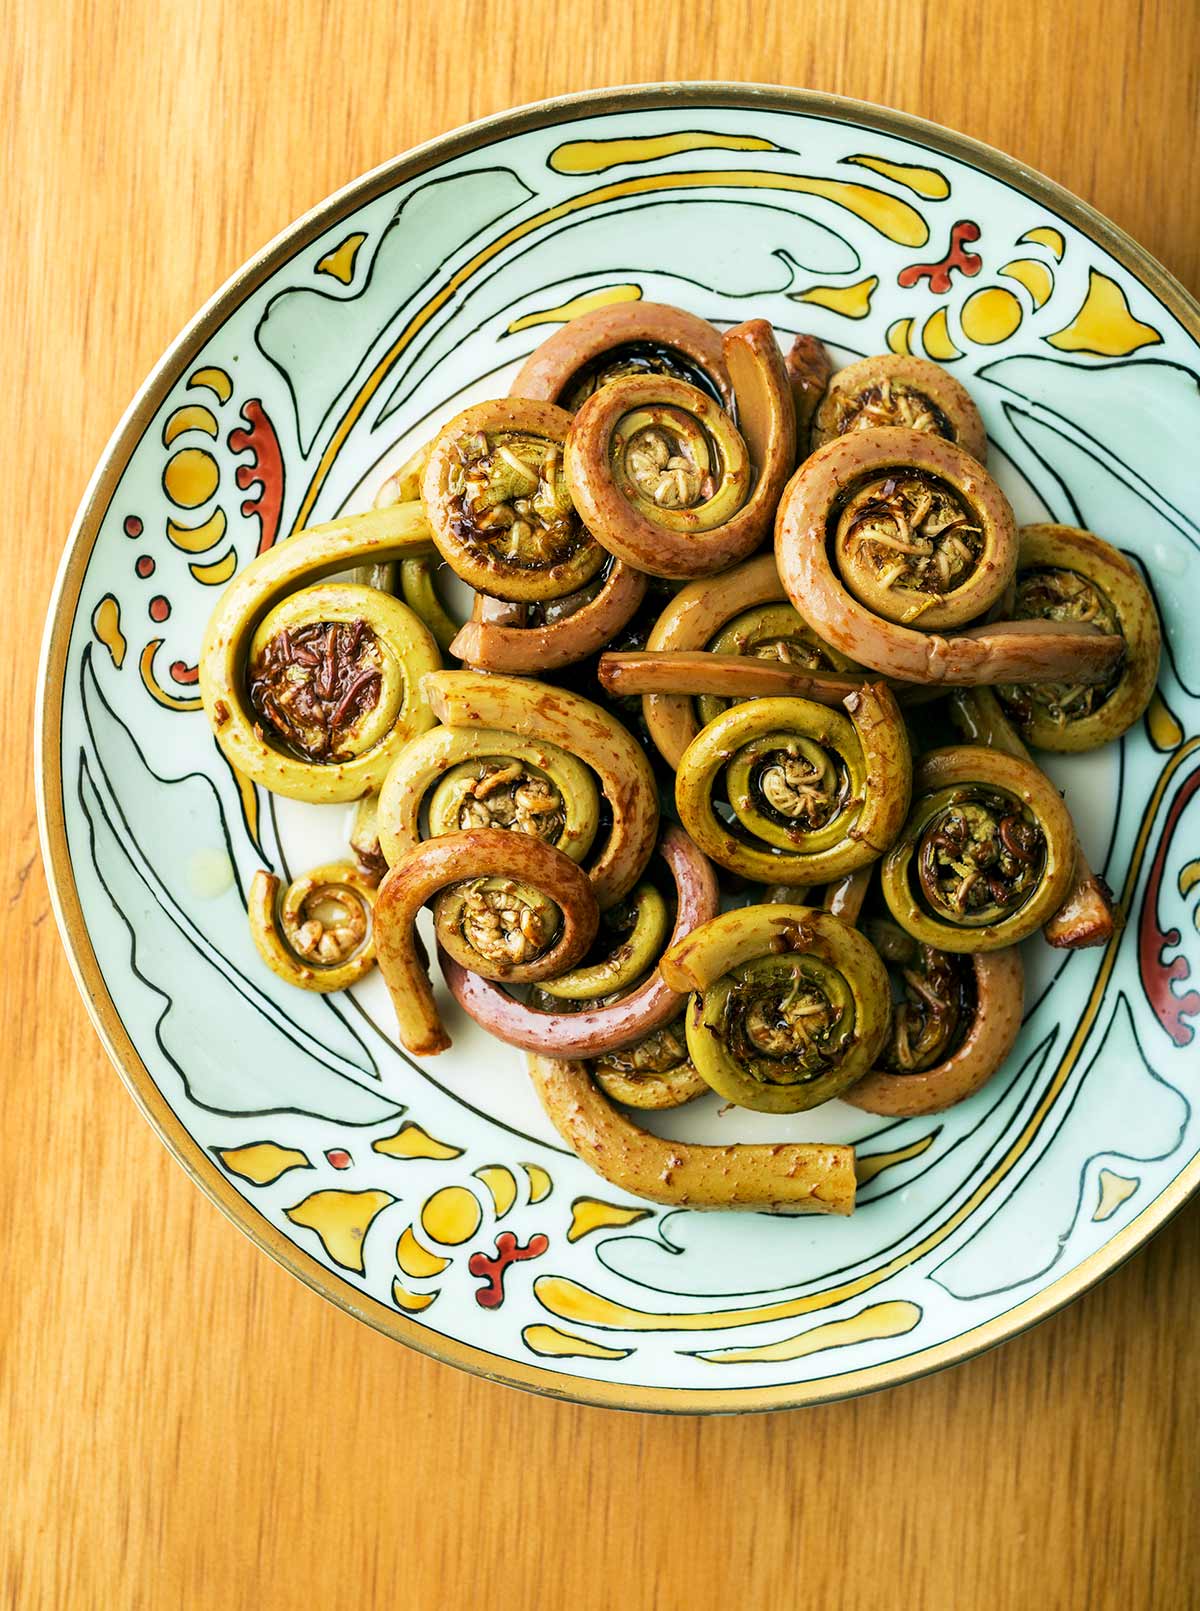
(182, 1424)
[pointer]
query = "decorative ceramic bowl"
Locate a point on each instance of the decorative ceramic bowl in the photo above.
(434, 1200)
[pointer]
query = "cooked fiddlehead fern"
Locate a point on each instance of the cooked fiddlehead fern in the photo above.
(1073, 576)
(318, 933)
(703, 612)
(1086, 916)
(790, 1005)
(555, 634)
(364, 839)
(714, 680)
(312, 689)
(417, 577)
(808, 370)
(888, 540)
(626, 338)
(656, 1072)
(601, 1027)
(496, 495)
(782, 1177)
(813, 793)
(506, 906)
(952, 1029)
(987, 855)
(537, 710)
(663, 477)
(619, 1030)
(454, 778)
(897, 390)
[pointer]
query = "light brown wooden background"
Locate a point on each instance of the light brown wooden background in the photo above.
(182, 1424)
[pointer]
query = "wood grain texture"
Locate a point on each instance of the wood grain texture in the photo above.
(182, 1424)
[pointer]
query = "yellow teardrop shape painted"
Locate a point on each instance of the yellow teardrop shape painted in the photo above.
(590, 1214)
(1162, 724)
(867, 1166)
(594, 156)
(1114, 1190)
(341, 1219)
(873, 1323)
(587, 303)
(411, 1141)
(106, 624)
(921, 181)
(1189, 877)
(1104, 325)
(261, 1162)
(339, 263)
(555, 1343)
(853, 301)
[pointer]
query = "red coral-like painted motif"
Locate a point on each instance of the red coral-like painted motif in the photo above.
(1159, 975)
(264, 471)
(491, 1270)
(938, 274)
(184, 674)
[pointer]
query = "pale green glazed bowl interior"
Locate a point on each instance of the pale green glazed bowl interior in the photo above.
(400, 1190)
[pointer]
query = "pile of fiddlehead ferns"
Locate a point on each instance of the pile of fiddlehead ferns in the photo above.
(789, 648)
